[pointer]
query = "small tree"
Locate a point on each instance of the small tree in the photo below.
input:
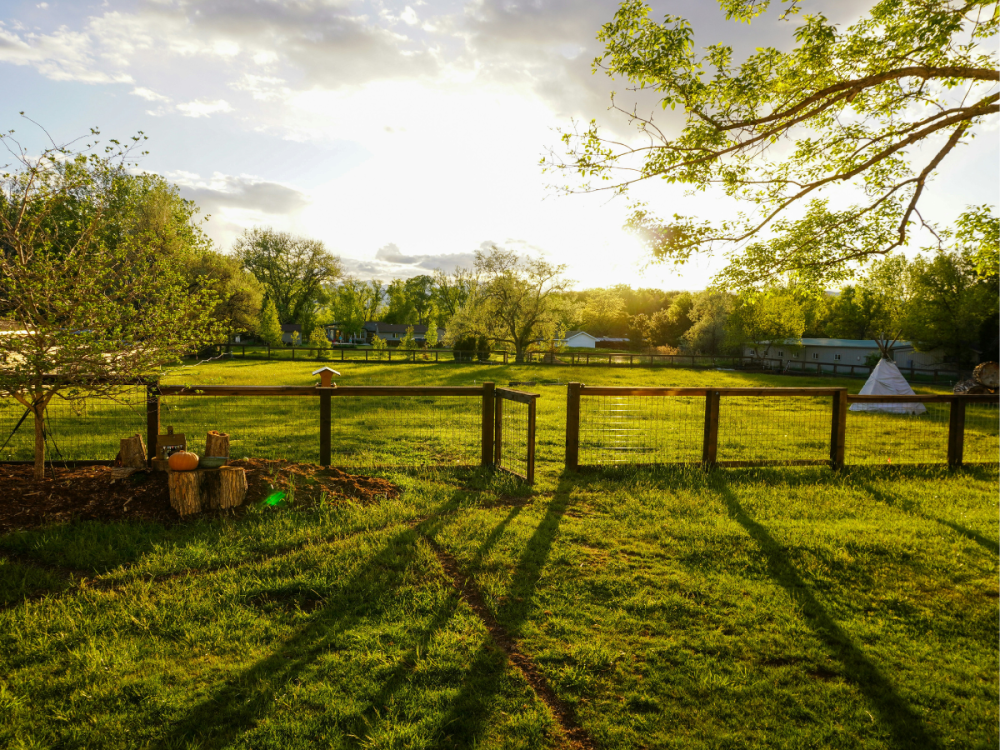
(269, 329)
(432, 332)
(379, 345)
(408, 343)
(296, 338)
(85, 279)
(319, 340)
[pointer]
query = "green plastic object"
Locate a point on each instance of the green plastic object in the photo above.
(275, 498)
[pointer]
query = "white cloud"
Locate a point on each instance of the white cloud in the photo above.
(409, 16)
(202, 108)
(149, 95)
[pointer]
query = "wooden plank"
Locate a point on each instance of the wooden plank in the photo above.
(956, 433)
(152, 422)
(573, 426)
(783, 392)
(531, 442)
(489, 396)
(838, 430)
(710, 445)
(521, 397)
(311, 390)
(498, 431)
(325, 426)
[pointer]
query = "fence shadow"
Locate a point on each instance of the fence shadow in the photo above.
(904, 723)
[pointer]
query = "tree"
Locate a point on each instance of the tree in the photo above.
(953, 303)
(379, 345)
(515, 302)
(452, 290)
(431, 337)
(640, 332)
(603, 309)
(710, 317)
(670, 325)
(269, 329)
(853, 104)
(888, 289)
(408, 343)
(84, 276)
(240, 296)
(292, 269)
(296, 338)
(764, 320)
(318, 339)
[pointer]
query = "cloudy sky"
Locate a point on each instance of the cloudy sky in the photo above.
(403, 134)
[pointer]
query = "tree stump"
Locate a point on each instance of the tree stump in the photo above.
(133, 452)
(225, 487)
(217, 444)
(185, 491)
(204, 489)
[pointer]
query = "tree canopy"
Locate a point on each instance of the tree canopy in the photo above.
(785, 131)
(292, 269)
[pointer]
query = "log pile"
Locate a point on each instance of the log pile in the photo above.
(207, 489)
(985, 379)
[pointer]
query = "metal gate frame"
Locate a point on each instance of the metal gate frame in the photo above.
(518, 397)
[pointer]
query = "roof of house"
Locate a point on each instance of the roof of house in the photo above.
(571, 334)
(378, 327)
(850, 343)
(290, 327)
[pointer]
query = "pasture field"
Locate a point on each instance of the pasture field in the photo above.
(771, 607)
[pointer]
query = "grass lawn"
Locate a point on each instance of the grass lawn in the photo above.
(791, 607)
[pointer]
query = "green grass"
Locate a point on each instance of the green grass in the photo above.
(769, 607)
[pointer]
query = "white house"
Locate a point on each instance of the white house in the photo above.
(829, 352)
(580, 339)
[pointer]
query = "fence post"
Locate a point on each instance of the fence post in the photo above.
(838, 430)
(152, 421)
(573, 426)
(531, 441)
(497, 430)
(956, 432)
(489, 396)
(710, 447)
(325, 426)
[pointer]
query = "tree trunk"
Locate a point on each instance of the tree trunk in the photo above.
(133, 452)
(38, 409)
(185, 491)
(224, 488)
(217, 444)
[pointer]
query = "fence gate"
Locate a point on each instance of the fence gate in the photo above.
(514, 433)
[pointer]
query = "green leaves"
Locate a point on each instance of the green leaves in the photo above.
(846, 107)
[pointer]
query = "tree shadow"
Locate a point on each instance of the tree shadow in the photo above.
(990, 545)
(905, 724)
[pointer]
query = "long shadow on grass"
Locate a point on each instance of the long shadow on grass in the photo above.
(239, 704)
(513, 613)
(905, 725)
(990, 545)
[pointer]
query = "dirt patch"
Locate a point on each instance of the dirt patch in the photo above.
(95, 493)
(574, 735)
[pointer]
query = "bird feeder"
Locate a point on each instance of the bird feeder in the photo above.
(326, 377)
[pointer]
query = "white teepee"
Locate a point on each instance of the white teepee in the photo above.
(887, 380)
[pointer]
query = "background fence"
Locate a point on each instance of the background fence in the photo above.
(607, 426)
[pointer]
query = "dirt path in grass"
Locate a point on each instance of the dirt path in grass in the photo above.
(574, 735)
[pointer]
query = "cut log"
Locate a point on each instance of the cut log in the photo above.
(217, 444)
(987, 374)
(133, 452)
(185, 491)
(225, 487)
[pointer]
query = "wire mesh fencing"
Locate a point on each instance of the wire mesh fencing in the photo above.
(514, 433)
(606, 426)
(75, 429)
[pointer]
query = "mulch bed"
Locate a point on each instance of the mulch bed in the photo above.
(95, 493)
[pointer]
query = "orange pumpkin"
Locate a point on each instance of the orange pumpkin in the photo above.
(183, 461)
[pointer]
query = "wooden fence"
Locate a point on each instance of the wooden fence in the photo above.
(624, 425)
(495, 452)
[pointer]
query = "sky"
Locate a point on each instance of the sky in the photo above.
(404, 135)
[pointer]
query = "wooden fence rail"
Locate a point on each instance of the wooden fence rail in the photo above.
(488, 392)
(715, 397)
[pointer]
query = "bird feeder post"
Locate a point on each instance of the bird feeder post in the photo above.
(325, 413)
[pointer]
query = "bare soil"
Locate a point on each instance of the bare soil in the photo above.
(95, 493)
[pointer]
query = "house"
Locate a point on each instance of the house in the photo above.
(393, 333)
(580, 339)
(829, 352)
(288, 329)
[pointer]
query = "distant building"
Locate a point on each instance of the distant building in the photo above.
(288, 329)
(392, 333)
(829, 352)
